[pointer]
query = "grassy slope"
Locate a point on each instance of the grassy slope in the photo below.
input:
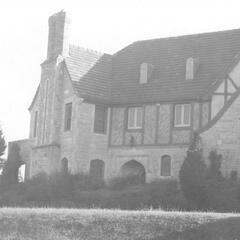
(64, 224)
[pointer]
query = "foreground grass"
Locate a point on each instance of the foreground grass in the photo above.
(66, 224)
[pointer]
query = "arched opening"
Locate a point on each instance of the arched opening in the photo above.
(166, 166)
(135, 169)
(96, 170)
(21, 173)
(64, 165)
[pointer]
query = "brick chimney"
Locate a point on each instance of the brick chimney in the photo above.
(58, 35)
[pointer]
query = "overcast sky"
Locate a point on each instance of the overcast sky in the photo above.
(103, 25)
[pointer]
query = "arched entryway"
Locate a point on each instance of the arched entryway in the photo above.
(134, 168)
(96, 170)
(64, 165)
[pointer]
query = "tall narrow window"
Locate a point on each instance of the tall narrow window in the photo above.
(100, 119)
(166, 166)
(35, 124)
(146, 70)
(64, 165)
(190, 68)
(182, 115)
(135, 116)
(96, 170)
(68, 117)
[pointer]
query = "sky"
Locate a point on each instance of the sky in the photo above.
(106, 26)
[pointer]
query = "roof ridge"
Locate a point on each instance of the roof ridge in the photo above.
(86, 49)
(188, 35)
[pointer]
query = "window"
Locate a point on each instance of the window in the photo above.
(96, 170)
(64, 165)
(100, 119)
(135, 116)
(189, 68)
(35, 124)
(68, 117)
(166, 166)
(182, 115)
(146, 71)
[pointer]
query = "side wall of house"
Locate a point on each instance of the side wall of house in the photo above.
(45, 146)
(224, 137)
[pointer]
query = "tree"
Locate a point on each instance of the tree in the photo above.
(192, 175)
(2, 144)
(11, 166)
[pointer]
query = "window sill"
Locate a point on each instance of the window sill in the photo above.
(100, 133)
(182, 127)
(134, 128)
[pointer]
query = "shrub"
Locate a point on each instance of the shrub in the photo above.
(87, 182)
(192, 176)
(222, 196)
(122, 182)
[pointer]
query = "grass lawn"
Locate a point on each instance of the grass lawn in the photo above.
(71, 224)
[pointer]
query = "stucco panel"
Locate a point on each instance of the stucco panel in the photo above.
(117, 126)
(164, 121)
(150, 125)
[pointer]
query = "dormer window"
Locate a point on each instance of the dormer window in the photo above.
(192, 65)
(146, 70)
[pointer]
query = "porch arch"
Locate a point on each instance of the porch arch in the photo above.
(134, 168)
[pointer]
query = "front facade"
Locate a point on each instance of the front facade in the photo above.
(135, 111)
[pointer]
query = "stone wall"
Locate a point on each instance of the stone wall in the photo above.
(149, 157)
(224, 137)
(24, 153)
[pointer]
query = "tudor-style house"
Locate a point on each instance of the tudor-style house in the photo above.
(135, 111)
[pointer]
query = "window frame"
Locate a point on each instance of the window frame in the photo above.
(189, 69)
(104, 131)
(182, 124)
(161, 164)
(135, 118)
(67, 117)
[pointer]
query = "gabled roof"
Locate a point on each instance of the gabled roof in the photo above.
(34, 98)
(115, 79)
(90, 72)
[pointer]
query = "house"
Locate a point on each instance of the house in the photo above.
(135, 111)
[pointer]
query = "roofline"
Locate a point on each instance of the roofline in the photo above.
(95, 100)
(34, 98)
(178, 36)
(217, 83)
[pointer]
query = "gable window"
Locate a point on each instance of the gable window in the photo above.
(100, 119)
(182, 116)
(68, 117)
(35, 124)
(135, 115)
(166, 166)
(189, 68)
(146, 71)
